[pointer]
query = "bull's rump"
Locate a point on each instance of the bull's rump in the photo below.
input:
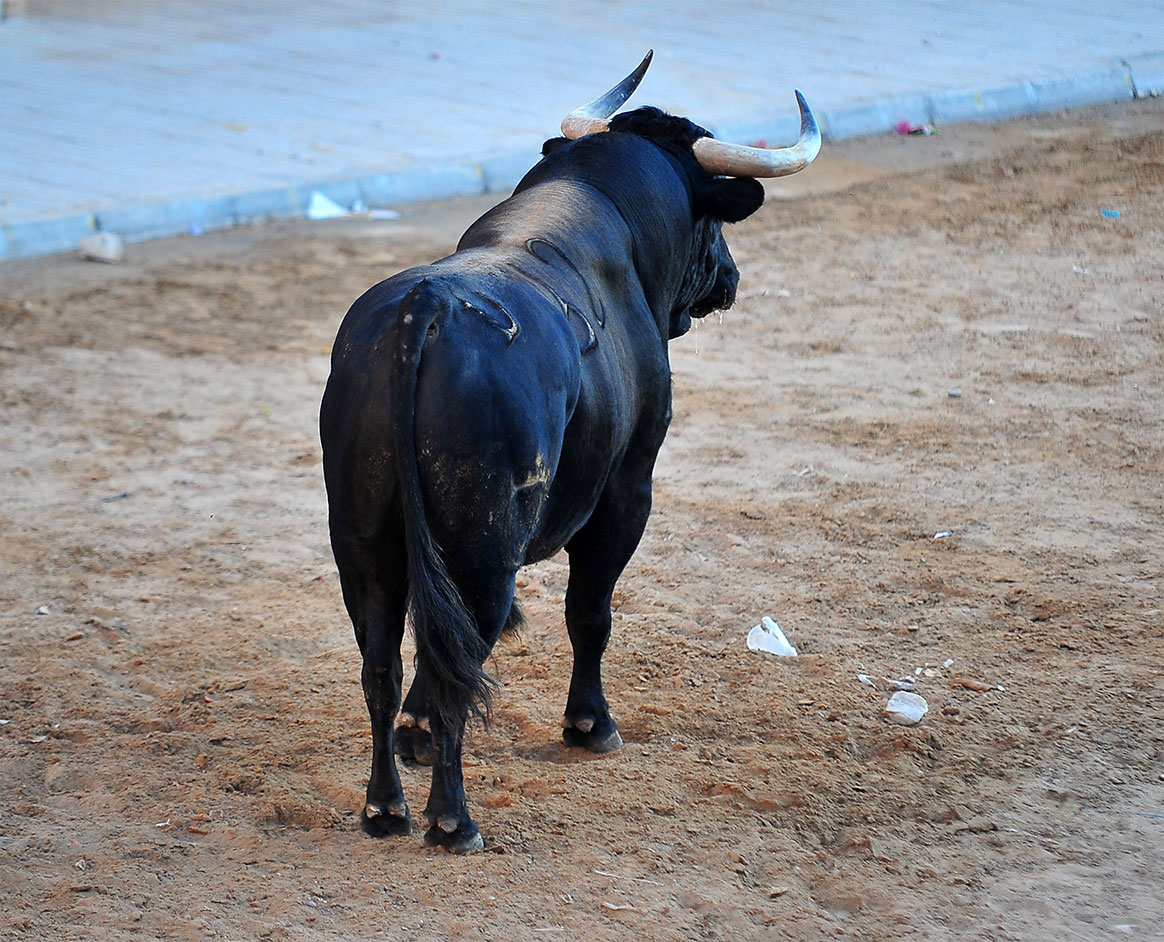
(493, 404)
(497, 382)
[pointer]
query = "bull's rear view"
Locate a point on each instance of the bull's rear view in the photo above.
(508, 401)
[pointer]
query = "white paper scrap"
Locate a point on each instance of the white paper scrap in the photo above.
(320, 207)
(767, 636)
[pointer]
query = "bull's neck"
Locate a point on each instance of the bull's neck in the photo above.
(620, 233)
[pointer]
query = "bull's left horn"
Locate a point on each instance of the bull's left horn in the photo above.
(595, 116)
(739, 160)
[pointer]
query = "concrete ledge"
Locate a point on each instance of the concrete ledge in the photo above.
(769, 131)
(436, 182)
(195, 216)
(29, 239)
(997, 104)
(1001, 104)
(138, 223)
(1147, 75)
(1140, 77)
(500, 174)
(1083, 91)
(839, 125)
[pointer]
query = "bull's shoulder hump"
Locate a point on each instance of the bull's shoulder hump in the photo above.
(554, 205)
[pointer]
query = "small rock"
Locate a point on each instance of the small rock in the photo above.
(906, 708)
(103, 247)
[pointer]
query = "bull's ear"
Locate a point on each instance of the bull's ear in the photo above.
(553, 144)
(734, 198)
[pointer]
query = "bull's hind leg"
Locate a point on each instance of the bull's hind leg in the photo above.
(414, 733)
(375, 599)
(490, 599)
(598, 554)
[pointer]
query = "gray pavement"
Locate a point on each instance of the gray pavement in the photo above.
(153, 119)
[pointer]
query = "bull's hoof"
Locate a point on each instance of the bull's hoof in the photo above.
(601, 738)
(414, 745)
(391, 820)
(462, 839)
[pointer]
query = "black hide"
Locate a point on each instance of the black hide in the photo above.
(507, 401)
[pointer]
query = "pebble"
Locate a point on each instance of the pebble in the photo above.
(103, 247)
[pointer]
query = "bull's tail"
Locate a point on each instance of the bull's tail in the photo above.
(449, 647)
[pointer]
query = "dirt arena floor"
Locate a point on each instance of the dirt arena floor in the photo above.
(927, 441)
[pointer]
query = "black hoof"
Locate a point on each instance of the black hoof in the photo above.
(414, 745)
(385, 821)
(602, 738)
(466, 839)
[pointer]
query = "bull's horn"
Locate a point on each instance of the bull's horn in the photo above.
(739, 160)
(595, 116)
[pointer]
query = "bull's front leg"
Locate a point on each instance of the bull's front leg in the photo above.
(587, 721)
(598, 554)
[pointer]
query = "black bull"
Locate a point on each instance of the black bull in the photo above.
(489, 409)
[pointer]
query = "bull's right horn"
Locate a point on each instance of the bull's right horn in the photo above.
(596, 116)
(739, 160)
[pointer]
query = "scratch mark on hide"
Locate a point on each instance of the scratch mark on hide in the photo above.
(511, 330)
(539, 249)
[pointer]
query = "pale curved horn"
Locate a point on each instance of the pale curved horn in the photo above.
(595, 116)
(739, 160)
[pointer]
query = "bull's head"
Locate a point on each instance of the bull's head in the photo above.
(712, 275)
(716, 157)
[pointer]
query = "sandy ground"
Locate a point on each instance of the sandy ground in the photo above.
(935, 335)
